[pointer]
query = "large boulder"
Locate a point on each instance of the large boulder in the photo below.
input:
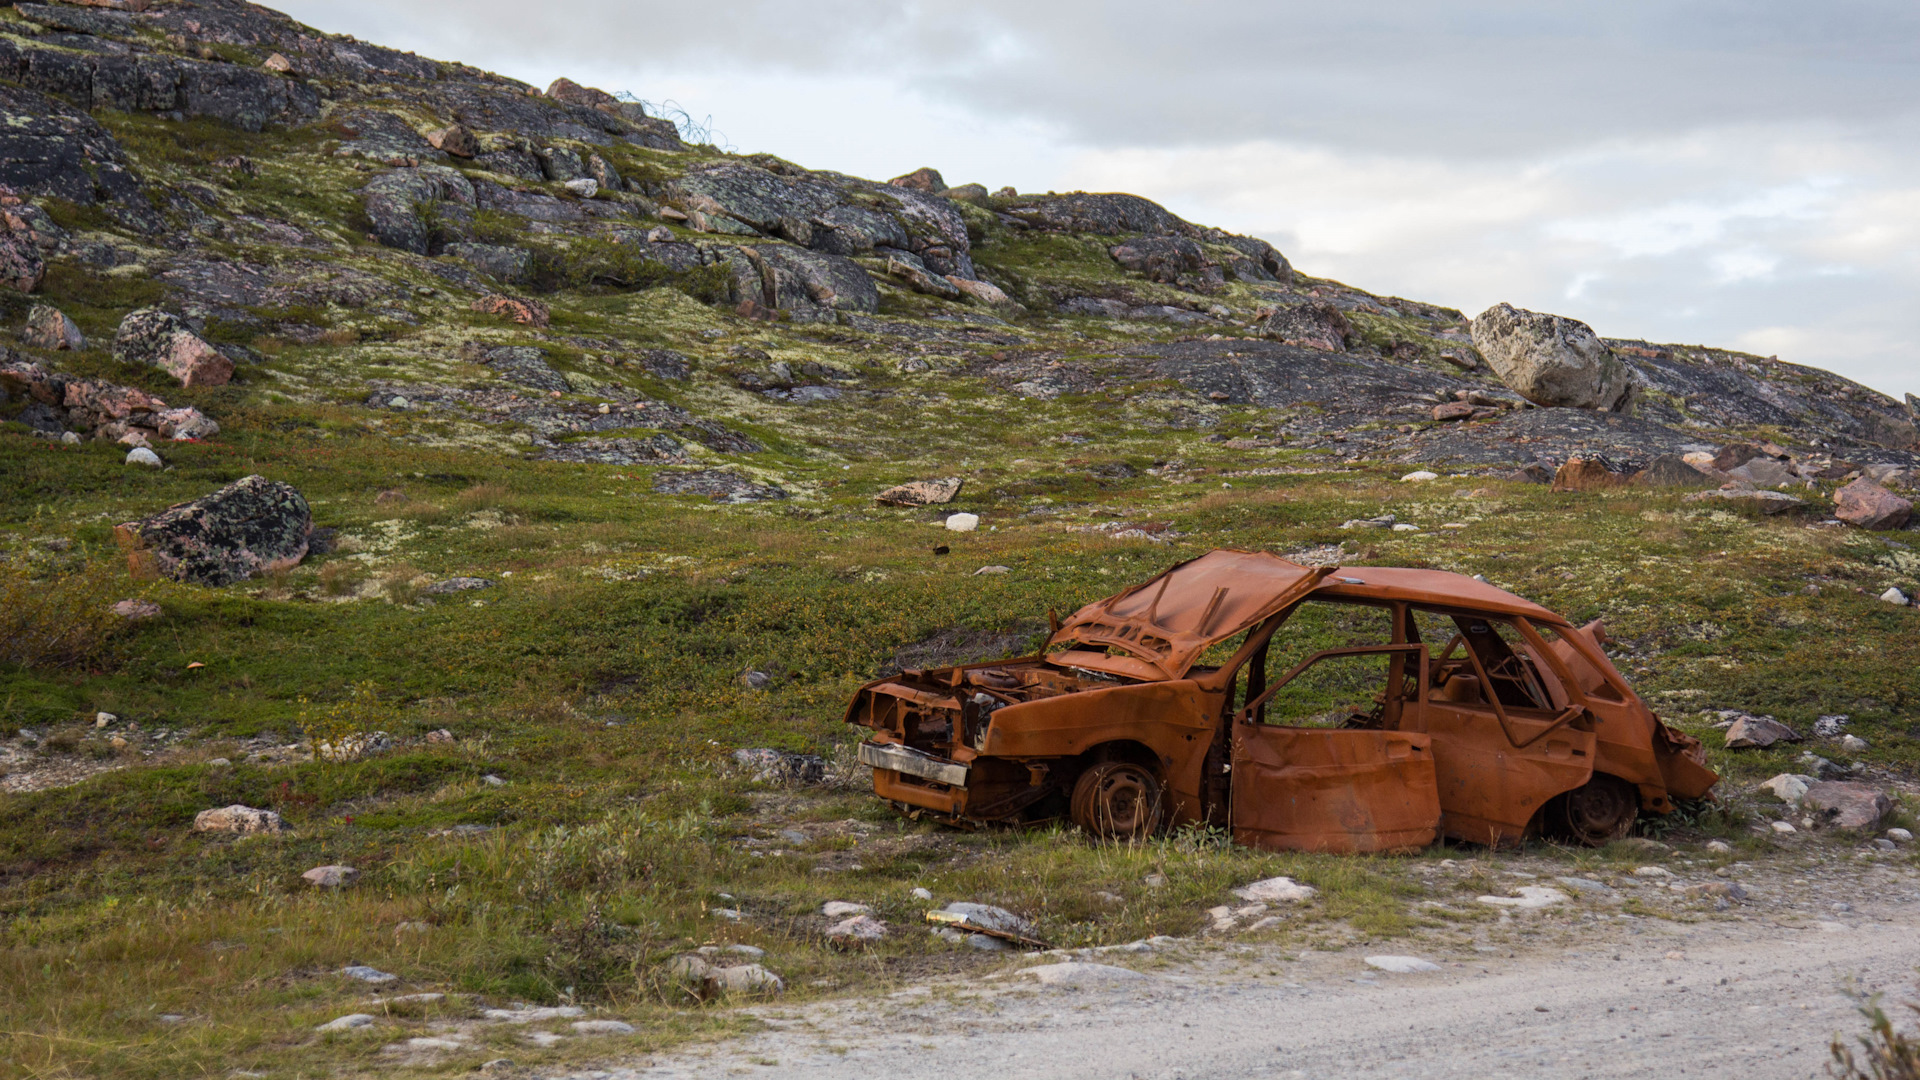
(251, 526)
(1553, 361)
(49, 149)
(21, 266)
(420, 209)
(1105, 214)
(811, 285)
(154, 338)
(1164, 259)
(1847, 805)
(49, 328)
(1869, 506)
(1312, 325)
(1259, 261)
(928, 180)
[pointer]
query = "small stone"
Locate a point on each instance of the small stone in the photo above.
(1406, 527)
(1789, 788)
(1758, 731)
(986, 943)
(840, 909)
(1587, 474)
(1526, 897)
(1076, 973)
(527, 1014)
(1900, 836)
(963, 522)
(277, 64)
(1651, 871)
(218, 763)
(1852, 744)
(101, 720)
(136, 610)
(1784, 827)
(1453, 410)
(1892, 595)
(520, 309)
(1154, 880)
(1401, 965)
(140, 455)
(493, 781)
(921, 894)
(859, 930)
(1828, 726)
(1883, 844)
(331, 876)
(1276, 890)
(457, 140)
(347, 1022)
(243, 820)
(921, 492)
(586, 187)
(497, 1065)
(993, 570)
(1420, 476)
(1719, 847)
(368, 974)
(745, 979)
(602, 1027)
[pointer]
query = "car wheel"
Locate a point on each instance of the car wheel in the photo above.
(1598, 812)
(1118, 799)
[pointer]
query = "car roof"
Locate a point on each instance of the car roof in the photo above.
(1439, 588)
(1170, 619)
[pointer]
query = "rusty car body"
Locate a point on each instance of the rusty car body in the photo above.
(1202, 695)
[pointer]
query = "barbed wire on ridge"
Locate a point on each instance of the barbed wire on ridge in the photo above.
(698, 132)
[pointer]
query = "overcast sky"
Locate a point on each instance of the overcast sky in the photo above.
(1736, 174)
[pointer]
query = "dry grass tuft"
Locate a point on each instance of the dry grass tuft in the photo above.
(61, 620)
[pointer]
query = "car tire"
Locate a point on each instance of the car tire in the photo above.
(1595, 814)
(1118, 800)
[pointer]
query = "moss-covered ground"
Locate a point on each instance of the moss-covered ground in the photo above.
(582, 821)
(600, 681)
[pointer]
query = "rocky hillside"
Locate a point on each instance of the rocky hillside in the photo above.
(466, 260)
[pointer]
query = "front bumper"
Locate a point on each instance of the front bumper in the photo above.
(911, 762)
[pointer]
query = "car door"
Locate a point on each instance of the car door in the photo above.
(1306, 779)
(1505, 738)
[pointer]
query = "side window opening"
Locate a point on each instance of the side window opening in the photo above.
(1592, 683)
(1497, 644)
(1336, 691)
(1350, 691)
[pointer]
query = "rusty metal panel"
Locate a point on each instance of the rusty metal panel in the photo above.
(1489, 788)
(1333, 790)
(1170, 620)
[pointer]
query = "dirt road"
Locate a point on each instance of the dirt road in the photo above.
(1624, 997)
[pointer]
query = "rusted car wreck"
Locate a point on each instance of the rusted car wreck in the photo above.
(1349, 709)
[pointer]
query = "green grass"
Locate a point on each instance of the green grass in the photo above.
(600, 677)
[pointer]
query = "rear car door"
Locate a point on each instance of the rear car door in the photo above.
(1505, 737)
